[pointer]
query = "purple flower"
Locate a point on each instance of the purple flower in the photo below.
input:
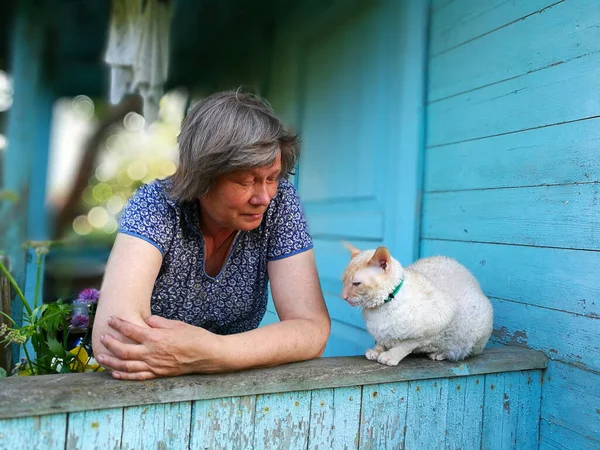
(80, 321)
(89, 296)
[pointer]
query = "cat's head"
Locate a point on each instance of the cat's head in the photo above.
(370, 277)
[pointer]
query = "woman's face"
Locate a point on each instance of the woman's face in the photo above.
(239, 199)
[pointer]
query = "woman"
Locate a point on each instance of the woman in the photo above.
(185, 286)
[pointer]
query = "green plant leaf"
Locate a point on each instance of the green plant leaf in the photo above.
(2, 373)
(56, 347)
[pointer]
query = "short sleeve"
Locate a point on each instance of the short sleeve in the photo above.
(150, 215)
(289, 233)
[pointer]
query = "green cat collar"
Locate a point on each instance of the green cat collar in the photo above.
(394, 293)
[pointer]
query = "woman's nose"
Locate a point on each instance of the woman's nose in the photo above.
(260, 196)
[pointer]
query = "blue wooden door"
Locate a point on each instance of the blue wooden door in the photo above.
(352, 133)
(350, 81)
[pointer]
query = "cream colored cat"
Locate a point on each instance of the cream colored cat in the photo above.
(434, 306)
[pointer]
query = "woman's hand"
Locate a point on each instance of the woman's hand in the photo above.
(167, 348)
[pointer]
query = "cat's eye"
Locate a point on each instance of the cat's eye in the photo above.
(357, 283)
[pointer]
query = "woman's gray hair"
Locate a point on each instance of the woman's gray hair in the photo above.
(225, 132)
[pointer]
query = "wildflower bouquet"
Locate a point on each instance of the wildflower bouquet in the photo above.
(46, 329)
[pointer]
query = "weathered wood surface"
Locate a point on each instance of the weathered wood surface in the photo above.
(566, 91)
(466, 418)
(383, 415)
(456, 22)
(535, 276)
(562, 216)
(282, 420)
(493, 411)
(162, 426)
(335, 418)
(34, 433)
(511, 181)
(27, 396)
(100, 429)
(223, 423)
(452, 71)
(561, 154)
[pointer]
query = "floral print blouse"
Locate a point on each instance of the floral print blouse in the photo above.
(235, 300)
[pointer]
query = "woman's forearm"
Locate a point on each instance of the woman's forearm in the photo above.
(277, 343)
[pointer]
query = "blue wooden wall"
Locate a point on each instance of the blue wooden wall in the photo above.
(511, 178)
(349, 79)
(495, 411)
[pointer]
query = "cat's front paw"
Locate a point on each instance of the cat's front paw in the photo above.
(437, 356)
(388, 358)
(372, 354)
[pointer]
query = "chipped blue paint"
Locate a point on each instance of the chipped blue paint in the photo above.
(35, 433)
(494, 411)
(461, 369)
(95, 429)
(282, 420)
(427, 413)
(226, 423)
(335, 418)
(465, 413)
(383, 416)
(163, 426)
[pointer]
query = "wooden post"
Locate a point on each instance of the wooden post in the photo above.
(25, 162)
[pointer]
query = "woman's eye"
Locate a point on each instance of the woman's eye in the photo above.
(357, 283)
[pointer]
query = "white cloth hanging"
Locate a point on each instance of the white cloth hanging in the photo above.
(138, 51)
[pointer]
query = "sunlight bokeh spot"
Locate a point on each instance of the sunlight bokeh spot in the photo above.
(98, 217)
(88, 196)
(106, 171)
(137, 170)
(111, 142)
(102, 192)
(124, 180)
(6, 92)
(115, 204)
(83, 106)
(134, 122)
(168, 168)
(111, 225)
(81, 226)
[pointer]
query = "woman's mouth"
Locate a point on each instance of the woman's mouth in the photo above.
(254, 216)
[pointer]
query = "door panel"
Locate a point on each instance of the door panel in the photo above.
(350, 79)
(341, 172)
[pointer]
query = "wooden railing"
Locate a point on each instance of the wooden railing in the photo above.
(491, 401)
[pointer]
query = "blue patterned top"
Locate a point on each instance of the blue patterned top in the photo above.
(235, 300)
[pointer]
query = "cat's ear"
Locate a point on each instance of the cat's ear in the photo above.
(381, 258)
(353, 250)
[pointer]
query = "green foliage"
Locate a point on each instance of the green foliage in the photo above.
(8, 196)
(45, 328)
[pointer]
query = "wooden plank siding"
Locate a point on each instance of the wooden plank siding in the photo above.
(511, 184)
(492, 410)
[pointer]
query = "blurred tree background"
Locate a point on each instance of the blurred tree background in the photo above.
(123, 155)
